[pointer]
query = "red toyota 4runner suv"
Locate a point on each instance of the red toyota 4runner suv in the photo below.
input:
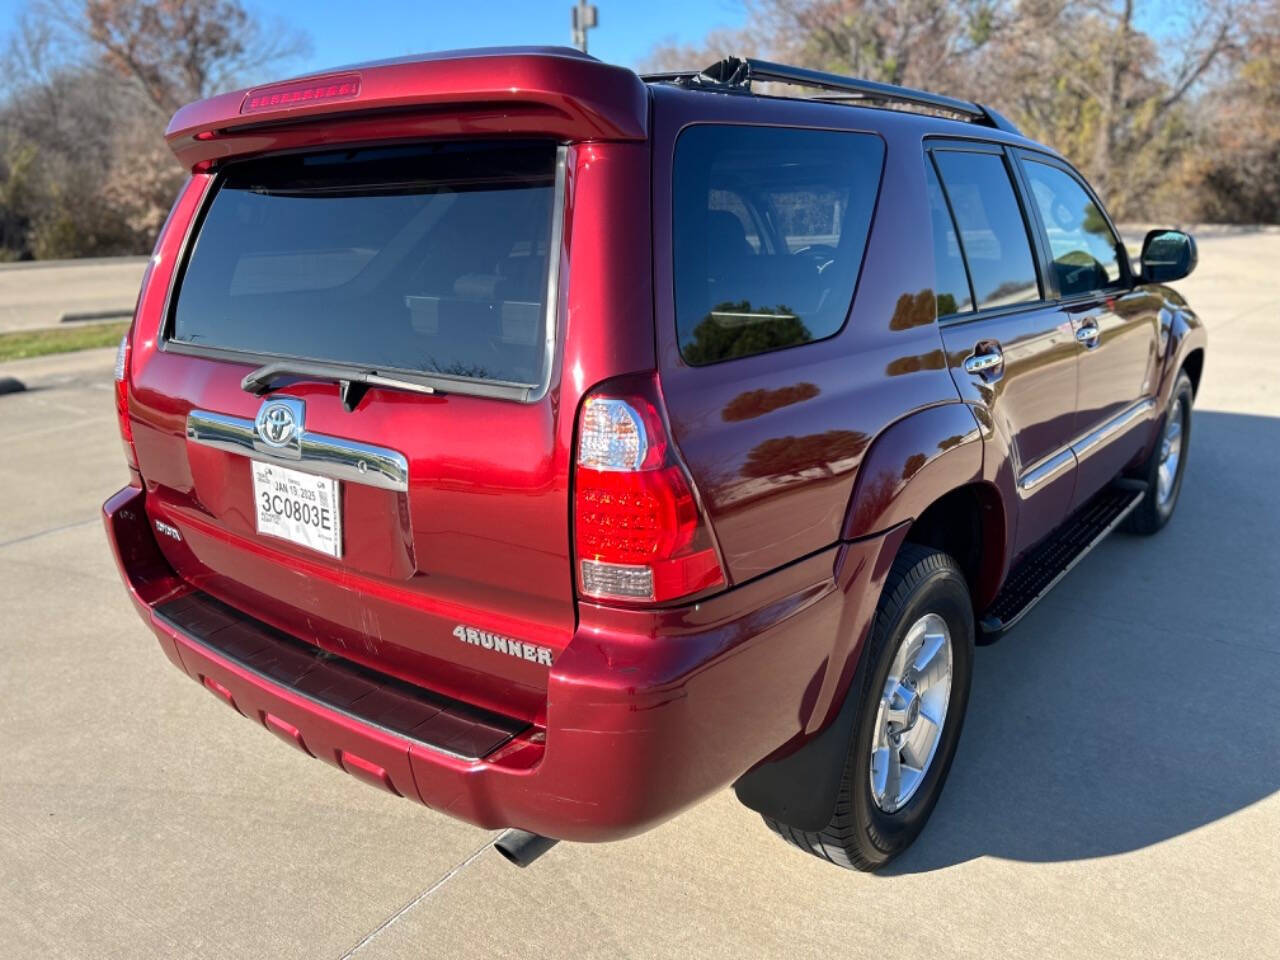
(556, 446)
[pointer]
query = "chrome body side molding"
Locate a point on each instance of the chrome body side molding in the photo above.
(1046, 470)
(1113, 427)
(318, 453)
(1078, 449)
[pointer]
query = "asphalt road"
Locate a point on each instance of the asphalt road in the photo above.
(1115, 793)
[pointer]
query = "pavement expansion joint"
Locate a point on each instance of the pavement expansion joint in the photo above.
(421, 897)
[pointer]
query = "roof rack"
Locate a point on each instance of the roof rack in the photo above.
(738, 73)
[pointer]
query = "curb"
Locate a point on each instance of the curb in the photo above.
(82, 262)
(97, 362)
(122, 313)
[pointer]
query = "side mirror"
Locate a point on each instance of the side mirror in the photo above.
(1167, 255)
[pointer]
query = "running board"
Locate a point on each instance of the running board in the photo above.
(1040, 570)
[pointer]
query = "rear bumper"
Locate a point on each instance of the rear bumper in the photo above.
(647, 711)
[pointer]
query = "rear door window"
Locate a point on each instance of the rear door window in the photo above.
(770, 225)
(993, 234)
(429, 259)
(951, 282)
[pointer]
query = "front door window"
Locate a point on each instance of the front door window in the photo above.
(1085, 251)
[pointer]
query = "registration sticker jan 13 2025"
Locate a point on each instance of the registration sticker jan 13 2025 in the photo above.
(298, 507)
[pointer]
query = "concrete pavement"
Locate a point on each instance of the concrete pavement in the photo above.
(38, 294)
(1115, 792)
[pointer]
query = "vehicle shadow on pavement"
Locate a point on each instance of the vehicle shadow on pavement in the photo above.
(1138, 701)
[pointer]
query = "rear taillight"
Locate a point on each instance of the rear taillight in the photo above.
(122, 400)
(639, 533)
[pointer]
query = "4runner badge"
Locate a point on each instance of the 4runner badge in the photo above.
(500, 644)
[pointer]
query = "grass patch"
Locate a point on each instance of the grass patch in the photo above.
(83, 336)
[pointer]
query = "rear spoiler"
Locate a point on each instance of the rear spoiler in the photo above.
(545, 91)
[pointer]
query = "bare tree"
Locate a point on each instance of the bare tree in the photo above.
(89, 87)
(1131, 87)
(668, 54)
(1111, 83)
(1236, 169)
(920, 43)
(175, 51)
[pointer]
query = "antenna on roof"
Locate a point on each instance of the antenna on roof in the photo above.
(585, 17)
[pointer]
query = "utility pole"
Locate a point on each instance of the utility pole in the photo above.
(585, 17)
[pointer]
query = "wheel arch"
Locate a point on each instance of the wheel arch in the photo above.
(1186, 352)
(968, 523)
(910, 464)
(1193, 364)
(800, 787)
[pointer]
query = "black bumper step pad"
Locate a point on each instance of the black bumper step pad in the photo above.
(437, 721)
(1039, 571)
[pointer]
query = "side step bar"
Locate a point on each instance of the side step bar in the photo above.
(1040, 570)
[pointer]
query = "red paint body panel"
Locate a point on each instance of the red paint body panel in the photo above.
(774, 441)
(811, 463)
(913, 463)
(1121, 367)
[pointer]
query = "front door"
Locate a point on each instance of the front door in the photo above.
(1116, 327)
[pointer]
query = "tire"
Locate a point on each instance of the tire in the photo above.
(1157, 506)
(862, 834)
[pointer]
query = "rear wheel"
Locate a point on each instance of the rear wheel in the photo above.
(1168, 461)
(913, 694)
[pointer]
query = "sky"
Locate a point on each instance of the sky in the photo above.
(346, 32)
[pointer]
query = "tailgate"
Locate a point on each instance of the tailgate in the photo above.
(405, 506)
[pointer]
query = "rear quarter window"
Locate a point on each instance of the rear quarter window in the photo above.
(769, 228)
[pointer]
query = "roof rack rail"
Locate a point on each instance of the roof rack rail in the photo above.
(738, 73)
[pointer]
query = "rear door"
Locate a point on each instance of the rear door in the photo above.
(1116, 326)
(1010, 351)
(414, 495)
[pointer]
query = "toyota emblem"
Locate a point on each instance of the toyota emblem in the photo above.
(277, 425)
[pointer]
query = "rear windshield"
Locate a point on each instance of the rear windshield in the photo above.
(769, 227)
(426, 259)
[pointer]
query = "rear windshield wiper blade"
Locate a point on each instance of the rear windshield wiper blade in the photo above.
(352, 383)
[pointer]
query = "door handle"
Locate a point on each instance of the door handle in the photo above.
(1088, 333)
(984, 360)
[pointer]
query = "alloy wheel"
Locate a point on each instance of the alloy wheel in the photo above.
(911, 713)
(1170, 453)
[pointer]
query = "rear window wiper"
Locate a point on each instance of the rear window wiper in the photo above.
(352, 383)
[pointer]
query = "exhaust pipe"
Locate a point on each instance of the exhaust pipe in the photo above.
(521, 847)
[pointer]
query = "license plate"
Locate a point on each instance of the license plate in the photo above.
(298, 507)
